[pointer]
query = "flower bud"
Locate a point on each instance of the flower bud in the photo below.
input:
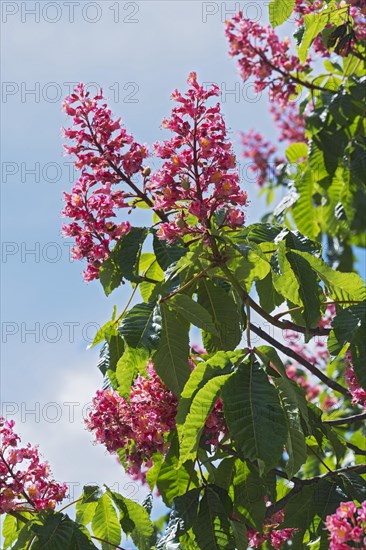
(146, 171)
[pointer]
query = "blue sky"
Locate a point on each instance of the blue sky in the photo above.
(138, 52)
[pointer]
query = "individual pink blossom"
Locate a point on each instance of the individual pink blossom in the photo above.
(106, 155)
(347, 524)
(265, 58)
(25, 481)
(199, 176)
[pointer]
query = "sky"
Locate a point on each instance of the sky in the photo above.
(138, 52)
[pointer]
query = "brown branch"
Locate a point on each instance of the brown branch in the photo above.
(309, 366)
(355, 449)
(300, 483)
(347, 420)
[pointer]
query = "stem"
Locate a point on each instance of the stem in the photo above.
(120, 317)
(355, 449)
(70, 504)
(186, 285)
(290, 353)
(123, 177)
(347, 420)
(18, 516)
(319, 458)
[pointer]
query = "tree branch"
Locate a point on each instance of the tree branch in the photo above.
(290, 353)
(300, 483)
(347, 420)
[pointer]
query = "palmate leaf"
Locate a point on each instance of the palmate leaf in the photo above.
(303, 211)
(10, 529)
(269, 298)
(141, 326)
(202, 404)
(212, 528)
(314, 24)
(123, 260)
(224, 312)
(171, 358)
(57, 531)
(105, 524)
(135, 520)
(344, 326)
(254, 415)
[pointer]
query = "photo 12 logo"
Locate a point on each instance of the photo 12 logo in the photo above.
(70, 12)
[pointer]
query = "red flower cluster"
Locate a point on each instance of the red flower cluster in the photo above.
(358, 393)
(263, 56)
(140, 427)
(199, 176)
(261, 156)
(99, 147)
(348, 524)
(277, 537)
(24, 480)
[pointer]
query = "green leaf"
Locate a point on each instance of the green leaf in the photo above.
(123, 260)
(132, 361)
(171, 358)
(85, 512)
(344, 325)
(296, 151)
(249, 494)
(310, 293)
(166, 254)
(254, 414)
(202, 404)
(269, 298)
(141, 326)
(224, 312)
(135, 520)
(295, 444)
(149, 267)
(303, 210)
(10, 530)
(221, 363)
(314, 24)
(280, 11)
(358, 352)
(186, 508)
(105, 522)
(54, 532)
(193, 312)
(340, 286)
(212, 527)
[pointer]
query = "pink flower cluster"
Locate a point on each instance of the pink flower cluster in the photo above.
(277, 537)
(24, 480)
(358, 393)
(199, 175)
(99, 145)
(140, 427)
(264, 57)
(347, 524)
(260, 154)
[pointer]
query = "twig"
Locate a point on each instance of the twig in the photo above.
(107, 542)
(347, 420)
(290, 353)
